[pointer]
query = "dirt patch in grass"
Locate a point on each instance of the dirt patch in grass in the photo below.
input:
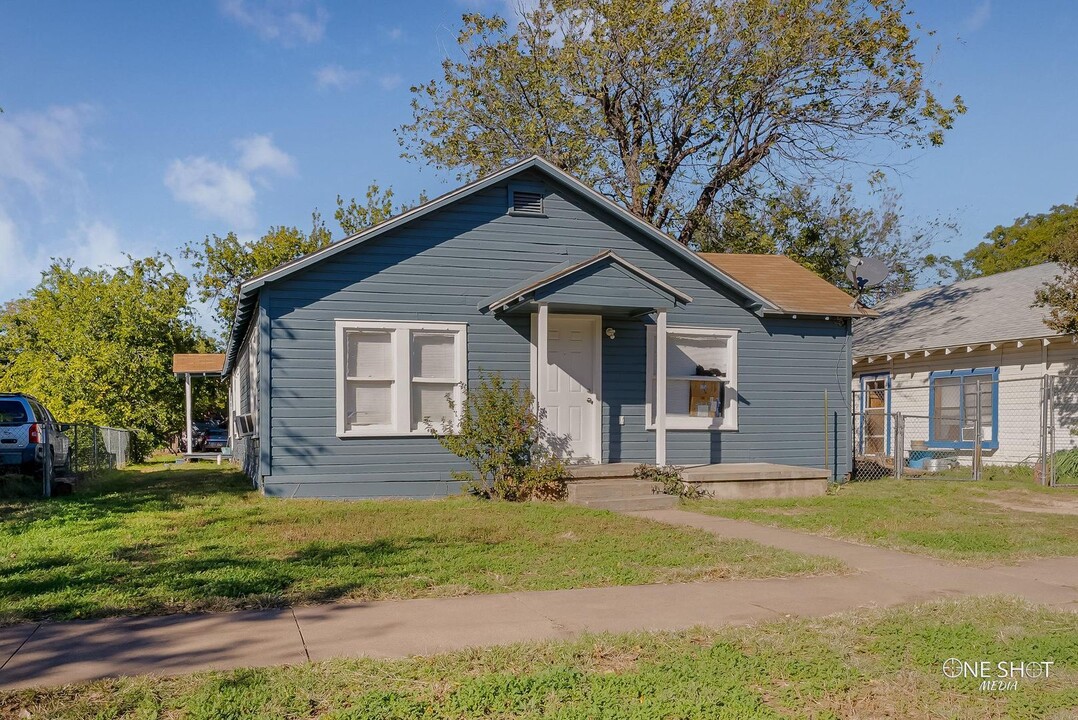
(1023, 502)
(868, 664)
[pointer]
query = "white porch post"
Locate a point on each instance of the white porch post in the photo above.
(660, 388)
(187, 397)
(541, 350)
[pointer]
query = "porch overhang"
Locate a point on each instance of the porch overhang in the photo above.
(604, 284)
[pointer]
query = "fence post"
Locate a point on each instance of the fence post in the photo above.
(95, 449)
(1045, 415)
(1050, 427)
(73, 454)
(978, 433)
(826, 462)
(900, 442)
(46, 461)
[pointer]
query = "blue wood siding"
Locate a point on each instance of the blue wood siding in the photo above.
(439, 267)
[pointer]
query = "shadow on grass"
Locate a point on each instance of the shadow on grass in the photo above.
(148, 579)
(121, 492)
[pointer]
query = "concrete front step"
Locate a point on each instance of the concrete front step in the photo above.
(608, 489)
(630, 504)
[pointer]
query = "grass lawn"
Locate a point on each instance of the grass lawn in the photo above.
(954, 520)
(880, 664)
(191, 538)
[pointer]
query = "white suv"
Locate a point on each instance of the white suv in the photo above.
(23, 424)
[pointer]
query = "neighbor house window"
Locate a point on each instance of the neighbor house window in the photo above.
(394, 377)
(953, 403)
(701, 378)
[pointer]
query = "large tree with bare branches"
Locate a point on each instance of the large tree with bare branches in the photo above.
(666, 104)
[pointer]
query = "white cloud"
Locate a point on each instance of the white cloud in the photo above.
(214, 189)
(224, 191)
(259, 153)
(285, 21)
(95, 243)
(335, 76)
(394, 33)
(37, 146)
(88, 244)
(390, 81)
(979, 17)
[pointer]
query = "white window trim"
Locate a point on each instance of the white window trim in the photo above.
(728, 421)
(401, 395)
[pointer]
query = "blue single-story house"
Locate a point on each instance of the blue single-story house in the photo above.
(637, 348)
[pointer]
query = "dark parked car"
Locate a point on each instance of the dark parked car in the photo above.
(214, 438)
(24, 423)
(210, 437)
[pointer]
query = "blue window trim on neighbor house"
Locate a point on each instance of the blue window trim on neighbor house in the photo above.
(886, 410)
(990, 373)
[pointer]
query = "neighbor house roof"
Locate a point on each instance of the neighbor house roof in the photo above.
(198, 363)
(788, 285)
(991, 309)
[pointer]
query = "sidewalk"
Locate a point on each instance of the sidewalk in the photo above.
(57, 653)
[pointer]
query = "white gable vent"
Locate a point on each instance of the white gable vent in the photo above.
(526, 201)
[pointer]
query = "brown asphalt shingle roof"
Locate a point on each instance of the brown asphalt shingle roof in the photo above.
(789, 286)
(198, 363)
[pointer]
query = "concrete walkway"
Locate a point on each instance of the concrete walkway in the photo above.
(56, 653)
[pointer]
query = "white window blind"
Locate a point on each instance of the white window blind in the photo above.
(434, 375)
(393, 377)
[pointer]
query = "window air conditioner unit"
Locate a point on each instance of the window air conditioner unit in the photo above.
(245, 425)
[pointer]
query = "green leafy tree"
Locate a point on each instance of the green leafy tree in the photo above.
(1060, 295)
(221, 264)
(664, 105)
(1030, 240)
(822, 231)
(96, 345)
(378, 207)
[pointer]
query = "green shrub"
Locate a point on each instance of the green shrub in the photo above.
(501, 436)
(668, 481)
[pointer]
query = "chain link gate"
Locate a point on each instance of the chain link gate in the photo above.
(1062, 430)
(964, 425)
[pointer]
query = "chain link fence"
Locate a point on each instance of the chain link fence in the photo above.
(964, 424)
(95, 448)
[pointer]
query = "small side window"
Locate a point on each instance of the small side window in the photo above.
(526, 199)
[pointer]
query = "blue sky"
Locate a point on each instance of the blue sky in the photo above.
(139, 126)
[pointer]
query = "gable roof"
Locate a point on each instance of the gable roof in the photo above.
(788, 285)
(995, 308)
(248, 294)
(567, 269)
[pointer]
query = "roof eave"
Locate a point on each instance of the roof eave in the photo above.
(859, 355)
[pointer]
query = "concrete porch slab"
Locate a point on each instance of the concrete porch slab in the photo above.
(736, 472)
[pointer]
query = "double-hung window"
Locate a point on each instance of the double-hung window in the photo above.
(701, 378)
(395, 377)
(953, 403)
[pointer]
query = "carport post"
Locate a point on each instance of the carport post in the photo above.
(660, 388)
(187, 397)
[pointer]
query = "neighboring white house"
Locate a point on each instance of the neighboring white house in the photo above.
(932, 352)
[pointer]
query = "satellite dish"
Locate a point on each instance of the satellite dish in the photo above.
(866, 273)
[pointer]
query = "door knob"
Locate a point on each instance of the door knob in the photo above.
(591, 401)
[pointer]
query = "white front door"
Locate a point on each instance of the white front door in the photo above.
(569, 386)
